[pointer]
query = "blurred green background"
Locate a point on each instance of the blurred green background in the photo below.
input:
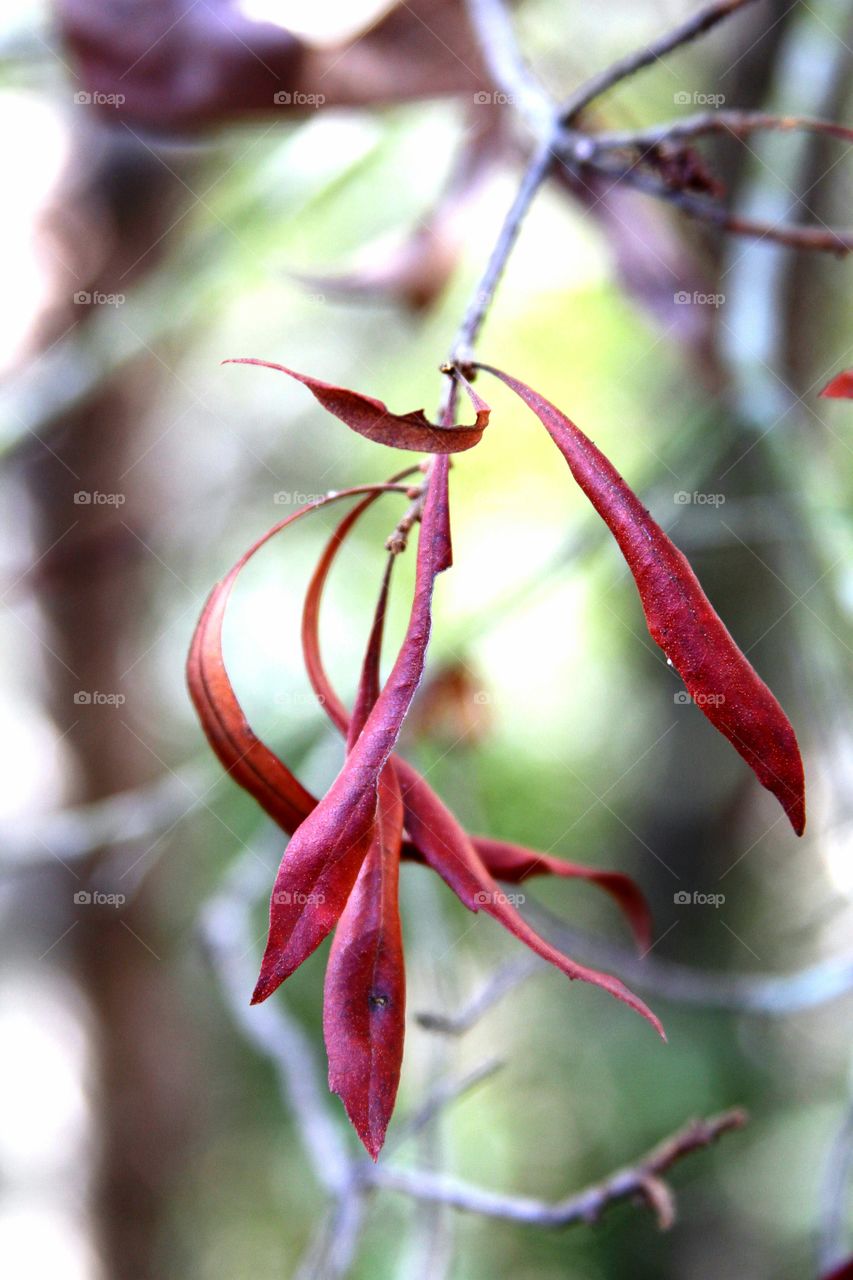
(137, 1121)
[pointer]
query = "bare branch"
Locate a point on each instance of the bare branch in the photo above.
(696, 26)
(520, 88)
(740, 124)
(818, 239)
(225, 925)
(499, 984)
(642, 1181)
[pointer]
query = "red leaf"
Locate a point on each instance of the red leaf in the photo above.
(681, 619)
(514, 864)
(370, 684)
(249, 762)
(325, 854)
(503, 861)
(841, 386)
(450, 852)
(365, 991)
(373, 419)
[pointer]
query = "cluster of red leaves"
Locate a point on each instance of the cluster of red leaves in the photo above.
(340, 869)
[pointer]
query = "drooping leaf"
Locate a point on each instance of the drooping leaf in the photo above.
(249, 762)
(681, 619)
(501, 860)
(841, 386)
(514, 864)
(375, 421)
(446, 847)
(325, 854)
(365, 991)
(369, 686)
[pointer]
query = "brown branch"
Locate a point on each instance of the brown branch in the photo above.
(816, 239)
(740, 124)
(642, 1181)
(683, 34)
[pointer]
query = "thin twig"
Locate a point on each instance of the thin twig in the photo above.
(499, 984)
(640, 58)
(462, 349)
(816, 239)
(517, 84)
(444, 1094)
(230, 941)
(643, 1181)
(740, 124)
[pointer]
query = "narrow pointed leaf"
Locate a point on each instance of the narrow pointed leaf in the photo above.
(514, 864)
(326, 852)
(503, 861)
(375, 421)
(841, 386)
(369, 685)
(249, 762)
(364, 996)
(449, 851)
(681, 619)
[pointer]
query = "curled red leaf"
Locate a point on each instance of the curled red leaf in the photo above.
(841, 386)
(447, 848)
(249, 762)
(364, 998)
(680, 617)
(514, 864)
(373, 419)
(436, 836)
(503, 861)
(325, 854)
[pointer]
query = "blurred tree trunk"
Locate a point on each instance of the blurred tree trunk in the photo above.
(112, 221)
